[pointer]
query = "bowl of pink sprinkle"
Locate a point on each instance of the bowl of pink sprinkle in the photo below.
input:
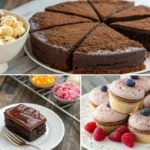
(66, 92)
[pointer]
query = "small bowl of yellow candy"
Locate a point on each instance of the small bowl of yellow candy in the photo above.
(43, 81)
(14, 31)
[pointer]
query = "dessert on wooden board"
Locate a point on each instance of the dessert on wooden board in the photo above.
(85, 54)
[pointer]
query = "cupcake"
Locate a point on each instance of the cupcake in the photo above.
(144, 82)
(108, 119)
(147, 101)
(98, 96)
(125, 95)
(139, 124)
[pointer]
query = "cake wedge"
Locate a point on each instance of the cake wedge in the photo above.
(46, 20)
(138, 30)
(107, 8)
(79, 8)
(105, 51)
(131, 14)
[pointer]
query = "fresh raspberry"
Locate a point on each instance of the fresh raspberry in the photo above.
(115, 136)
(99, 134)
(122, 130)
(90, 127)
(128, 139)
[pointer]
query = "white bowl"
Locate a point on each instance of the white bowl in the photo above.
(40, 86)
(10, 50)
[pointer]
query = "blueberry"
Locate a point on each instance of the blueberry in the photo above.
(134, 77)
(108, 104)
(145, 111)
(130, 83)
(104, 88)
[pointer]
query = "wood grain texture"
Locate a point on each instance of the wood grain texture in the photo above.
(12, 92)
(10, 4)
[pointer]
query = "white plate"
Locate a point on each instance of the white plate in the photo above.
(52, 137)
(86, 138)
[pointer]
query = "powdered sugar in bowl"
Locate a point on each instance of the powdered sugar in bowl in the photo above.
(66, 92)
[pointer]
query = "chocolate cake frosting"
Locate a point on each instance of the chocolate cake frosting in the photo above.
(133, 13)
(138, 30)
(46, 20)
(107, 51)
(25, 116)
(79, 8)
(105, 8)
(56, 46)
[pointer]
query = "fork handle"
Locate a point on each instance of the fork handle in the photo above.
(33, 146)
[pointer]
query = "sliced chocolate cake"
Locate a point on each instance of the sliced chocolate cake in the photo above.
(105, 8)
(138, 30)
(105, 51)
(45, 20)
(55, 46)
(79, 8)
(133, 13)
(25, 121)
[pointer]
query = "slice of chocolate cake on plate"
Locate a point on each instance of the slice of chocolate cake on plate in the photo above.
(25, 121)
(105, 51)
(106, 8)
(55, 46)
(79, 8)
(138, 30)
(133, 13)
(45, 20)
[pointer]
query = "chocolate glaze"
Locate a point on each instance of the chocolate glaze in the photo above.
(25, 116)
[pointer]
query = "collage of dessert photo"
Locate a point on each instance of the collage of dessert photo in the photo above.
(74, 74)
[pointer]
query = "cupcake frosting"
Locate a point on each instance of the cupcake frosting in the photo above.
(119, 88)
(97, 96)
(103, 113)
(144, 82)
(147, 101)
(139, 121)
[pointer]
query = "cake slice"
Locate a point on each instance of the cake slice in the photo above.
(138, 30)
(79, 8)
(45, 20)
(105, 51)
(105, 8)
(133, 13)
(55, 46)
(25, 121)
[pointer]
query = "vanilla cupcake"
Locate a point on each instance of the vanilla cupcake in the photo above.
(147, 101)
(98, 96)
(125, 95)
(139, 124)
(108, 119)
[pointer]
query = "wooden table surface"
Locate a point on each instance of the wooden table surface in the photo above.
(12, 92)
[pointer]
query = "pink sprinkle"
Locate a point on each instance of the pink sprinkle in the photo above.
(66, 91)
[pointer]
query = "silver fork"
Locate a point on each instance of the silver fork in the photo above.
(16, 140)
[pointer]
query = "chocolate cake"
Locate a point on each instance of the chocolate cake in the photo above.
(133, 13)
(105, 51)
(55, 46)
(25, 121)
(45, 20)
(138, 30)
(105, 8)
(79, 8)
